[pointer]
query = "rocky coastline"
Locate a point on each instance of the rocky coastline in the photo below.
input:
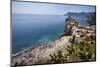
(74, 33)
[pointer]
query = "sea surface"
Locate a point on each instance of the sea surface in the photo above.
(30, 30)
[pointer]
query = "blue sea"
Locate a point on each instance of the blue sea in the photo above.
(34, 30)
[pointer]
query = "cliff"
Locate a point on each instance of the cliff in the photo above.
(69, 47)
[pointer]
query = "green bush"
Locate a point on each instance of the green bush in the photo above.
(83, 50)
(57, 57)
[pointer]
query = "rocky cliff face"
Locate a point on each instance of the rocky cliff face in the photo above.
(77, 31)
(69, 24)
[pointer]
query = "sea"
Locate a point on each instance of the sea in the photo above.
(29, 30)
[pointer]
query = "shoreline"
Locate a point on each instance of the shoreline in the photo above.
(20, 52)
(74, 33)
(42, 51)
(33, 47)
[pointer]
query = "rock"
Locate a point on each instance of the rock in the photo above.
(70, 23)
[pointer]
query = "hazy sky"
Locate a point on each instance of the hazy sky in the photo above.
(45, 8)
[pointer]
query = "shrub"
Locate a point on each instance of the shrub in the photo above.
(57, 57)
(83, 51)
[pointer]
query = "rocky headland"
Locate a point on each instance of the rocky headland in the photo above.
(74, 33)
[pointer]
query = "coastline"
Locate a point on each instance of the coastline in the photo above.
(75, 39)
(42, 51)
(33, 47)
(27, 49)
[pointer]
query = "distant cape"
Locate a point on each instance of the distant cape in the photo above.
(78, 14)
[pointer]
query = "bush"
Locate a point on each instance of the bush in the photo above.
(57, 57)
(83, 51)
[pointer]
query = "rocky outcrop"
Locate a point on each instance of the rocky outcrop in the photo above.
(77, 31)
(70, 23)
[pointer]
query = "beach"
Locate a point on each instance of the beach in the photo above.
(42, 52)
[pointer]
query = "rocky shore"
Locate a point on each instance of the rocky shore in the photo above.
(73, 33)
(41, 53)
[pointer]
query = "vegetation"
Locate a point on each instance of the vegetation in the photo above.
(36, 61)
(57, 57)
(22, 63)
(83, 51)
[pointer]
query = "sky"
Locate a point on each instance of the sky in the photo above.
(48, 8)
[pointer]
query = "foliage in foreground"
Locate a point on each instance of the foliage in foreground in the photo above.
(83, 51)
